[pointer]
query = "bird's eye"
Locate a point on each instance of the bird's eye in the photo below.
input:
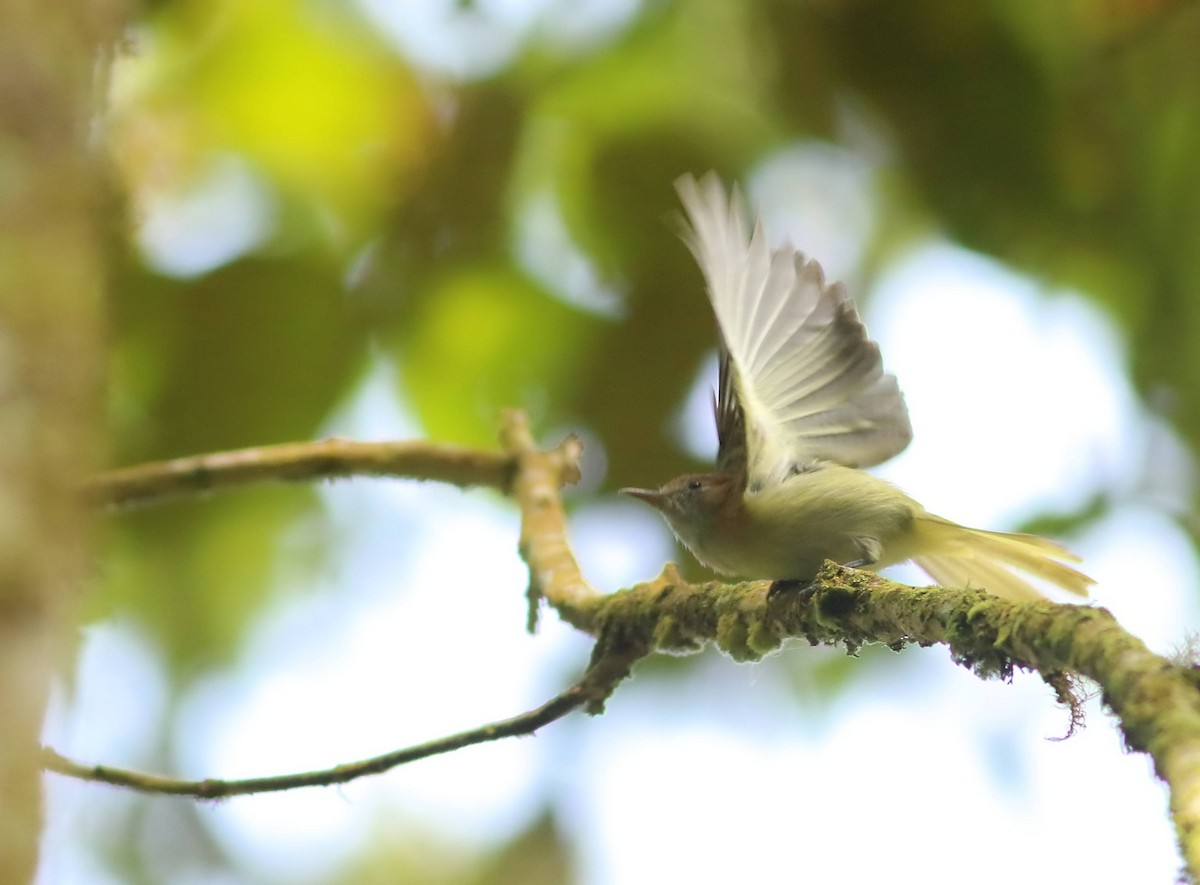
(695, 485)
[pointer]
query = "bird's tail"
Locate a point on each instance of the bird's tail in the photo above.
(999, 562)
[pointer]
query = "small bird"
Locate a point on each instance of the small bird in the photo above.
(802, 404)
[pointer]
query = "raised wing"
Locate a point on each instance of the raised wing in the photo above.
(731, 426)
(809, 382)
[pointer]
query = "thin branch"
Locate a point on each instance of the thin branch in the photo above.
(535, 477)
(607, 668)
(554, 573)
(296, 462)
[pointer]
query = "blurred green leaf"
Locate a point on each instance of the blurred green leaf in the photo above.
(305, 91)
(537, 856)
(487, 339)
(194, 574)
(256, 352)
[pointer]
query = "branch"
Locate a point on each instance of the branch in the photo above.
(1156, 701)
(608, 667)
(294, 462)
(535, 477)
(553, 572)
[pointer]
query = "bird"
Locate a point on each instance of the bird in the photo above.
(802, 405)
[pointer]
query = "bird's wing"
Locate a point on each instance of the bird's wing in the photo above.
(731, 425)
(803, 381)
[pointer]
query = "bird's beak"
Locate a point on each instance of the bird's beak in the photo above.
(653, 497)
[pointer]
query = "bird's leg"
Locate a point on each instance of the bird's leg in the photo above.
(802, 589)
(805, 589)
(859, 563)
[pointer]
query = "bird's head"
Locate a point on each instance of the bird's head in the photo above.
(694, 504)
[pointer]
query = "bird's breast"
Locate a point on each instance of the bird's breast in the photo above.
(787, 529)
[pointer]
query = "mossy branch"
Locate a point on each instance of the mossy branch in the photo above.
(1156, 701)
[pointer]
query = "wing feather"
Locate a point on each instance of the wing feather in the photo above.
(804, 382)
(731, 429)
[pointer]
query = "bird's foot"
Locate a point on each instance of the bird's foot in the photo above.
(802, 589)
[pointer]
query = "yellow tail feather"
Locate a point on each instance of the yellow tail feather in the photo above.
(995, 561)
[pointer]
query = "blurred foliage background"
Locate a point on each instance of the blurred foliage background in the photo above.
(474, 199)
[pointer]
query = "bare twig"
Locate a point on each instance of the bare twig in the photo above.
(535, 477)
(323, 459)
(607, 668)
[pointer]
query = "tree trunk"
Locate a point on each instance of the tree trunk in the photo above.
(51, 280)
